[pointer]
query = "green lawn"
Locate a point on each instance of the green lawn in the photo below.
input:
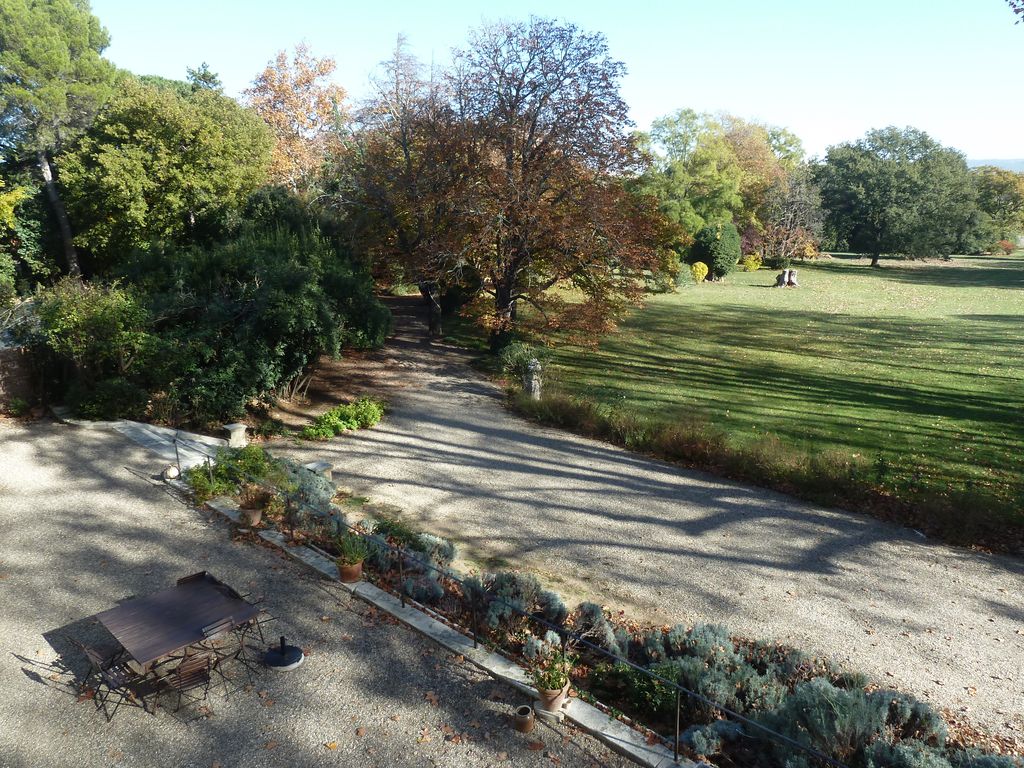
(918, 362)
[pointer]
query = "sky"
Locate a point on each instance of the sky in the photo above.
(829, 70)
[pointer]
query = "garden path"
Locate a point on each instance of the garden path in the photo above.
(671, 545)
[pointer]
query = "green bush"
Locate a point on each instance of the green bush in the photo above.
(362, 414)
(108, 400)
(718, 246)
(99, 332)
(699, 272)
(752, 262)
(17, 407)
(244, 320)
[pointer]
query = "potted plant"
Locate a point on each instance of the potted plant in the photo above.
(351, 553)
(252, 500)
(551, 678)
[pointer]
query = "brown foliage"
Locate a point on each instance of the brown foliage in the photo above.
(510, 168)
(302, 108)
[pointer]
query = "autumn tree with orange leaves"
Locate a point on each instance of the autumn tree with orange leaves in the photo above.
(511, 167)
(302, 107)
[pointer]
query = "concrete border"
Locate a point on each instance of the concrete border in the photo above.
(615, 734)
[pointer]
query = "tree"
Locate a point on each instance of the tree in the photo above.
(204, 77)
(511, 168)
(717, 246)
(8, 202)
(53, 79)
(710, 169)
(547, 137)
(898, 192)
(302, 108)
(1001, 199)
(402, 172)
(160, 166)
(1017, 6)
(791, 219)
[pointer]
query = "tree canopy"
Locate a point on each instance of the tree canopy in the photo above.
(511, 169)
(898, 192)
(302, 107)
(1001, 199)
(53, 79)
(160, 165)
(710, 169)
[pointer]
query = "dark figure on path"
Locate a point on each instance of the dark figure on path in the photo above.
(431, 297)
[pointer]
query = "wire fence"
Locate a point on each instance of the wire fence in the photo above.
(404, 556)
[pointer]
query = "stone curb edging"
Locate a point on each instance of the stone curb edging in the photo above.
(616, 735)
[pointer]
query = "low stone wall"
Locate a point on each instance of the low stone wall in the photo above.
(15, 378)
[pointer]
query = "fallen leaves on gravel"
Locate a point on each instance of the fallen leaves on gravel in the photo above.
(431, 697)
(332, 745)
(424, 735)
(87, 695)
(360, 732)
(535, 746)
(271, 744)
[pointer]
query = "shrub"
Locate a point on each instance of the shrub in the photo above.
(1005, 247)
(537, 649)
(972, 758)
(17, 407)
(590, 620)
(400, 532)
(107, 400)
(99, 329)
(361, 414)
(708, 739)
(515, 358)
(838, 723)
(699, 272)
(752, 262)
(246, 319)
(309, 493)
(718, 246)
(504, 598)
(208, 482)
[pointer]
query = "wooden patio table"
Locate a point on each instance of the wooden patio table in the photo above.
(150, 628)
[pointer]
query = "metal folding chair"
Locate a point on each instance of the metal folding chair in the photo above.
(114, 679)
(192, 674)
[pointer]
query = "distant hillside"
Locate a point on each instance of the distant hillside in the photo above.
(1010, 165)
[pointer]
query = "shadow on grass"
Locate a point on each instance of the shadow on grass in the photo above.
(978, 272)
(891, 385)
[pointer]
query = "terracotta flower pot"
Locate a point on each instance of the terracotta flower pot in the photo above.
(350, 573)
(251, 517)
(552, 700)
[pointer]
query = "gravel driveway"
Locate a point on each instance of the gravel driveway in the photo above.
(673, 545)
(84, 527)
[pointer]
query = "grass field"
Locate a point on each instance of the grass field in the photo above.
(917, 367)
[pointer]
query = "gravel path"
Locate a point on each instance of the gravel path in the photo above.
(84, 527)
(673, 545)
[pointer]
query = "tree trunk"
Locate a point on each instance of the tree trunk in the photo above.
(504, 308)
(70, 255)
(874, 259)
